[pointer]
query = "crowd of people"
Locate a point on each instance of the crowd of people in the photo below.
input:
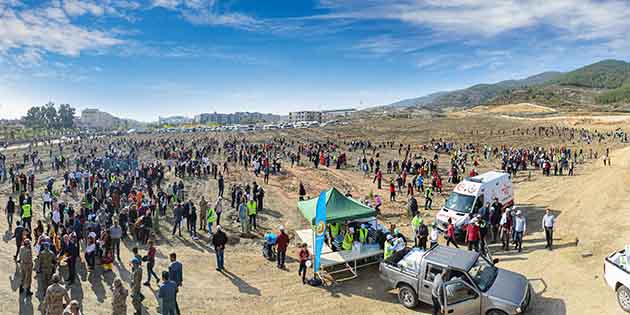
(115, 192)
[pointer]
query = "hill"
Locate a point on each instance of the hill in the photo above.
(604, 85)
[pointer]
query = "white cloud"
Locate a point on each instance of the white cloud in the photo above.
(210, 12)
(580, 19)
(48, 29)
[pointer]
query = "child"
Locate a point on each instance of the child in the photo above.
(304, 257)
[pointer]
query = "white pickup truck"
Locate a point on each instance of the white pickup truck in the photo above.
(617, 276)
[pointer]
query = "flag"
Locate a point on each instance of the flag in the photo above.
(319, 229)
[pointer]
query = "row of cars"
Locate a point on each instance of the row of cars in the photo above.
(252, 127)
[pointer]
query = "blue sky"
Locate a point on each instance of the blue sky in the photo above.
(141, 59)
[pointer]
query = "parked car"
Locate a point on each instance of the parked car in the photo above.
(474, 286)
(617, 276)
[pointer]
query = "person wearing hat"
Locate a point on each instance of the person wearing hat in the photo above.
(46, 263)
(218, 241)
(520, 226)
(25, 259)
(388, 248)
(473, 234)
(282, 243)
(136, 285)
(119, 298)
(348, 238)
(363, 234)
(56, 294)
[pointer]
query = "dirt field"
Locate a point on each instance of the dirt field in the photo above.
(590, 206)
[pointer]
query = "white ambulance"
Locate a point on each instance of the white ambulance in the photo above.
(472, 193)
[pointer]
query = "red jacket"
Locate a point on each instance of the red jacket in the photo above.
(282, 241)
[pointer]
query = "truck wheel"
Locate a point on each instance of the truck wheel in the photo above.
(496, 312)
(407, 296)
(623, 298)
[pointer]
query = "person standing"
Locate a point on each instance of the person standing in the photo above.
(218, 241)
(221, 184)
(282, 242)
(56, 294)
(168, 294)
(473, 235)
(415, 224)
(136, 285)
(304, 257)
(47, 198)
(428, 197)
(178, 213)
(422, 234)
(25, 260)
(150, 259)
(435, 234)
(548, 222)
(18, 235)
(218, 209)
(450, 234)
(119, 298)
(505, 229)
(203, 208)
(115, 234)
(10, 211)
(176, 274)
(520, 226)
(436, 292)
(251, 212)
(46, 263)
(26, 214)
(210, 219)
(243, 216)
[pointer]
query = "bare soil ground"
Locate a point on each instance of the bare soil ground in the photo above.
(590, 206)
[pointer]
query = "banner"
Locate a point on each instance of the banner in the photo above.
(320, 229)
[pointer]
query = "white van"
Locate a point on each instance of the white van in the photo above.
(474, 192)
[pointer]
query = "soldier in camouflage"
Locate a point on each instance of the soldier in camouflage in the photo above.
(25, 259)
(56, 294)
(136, 285)
(119, 298)
(46, 262)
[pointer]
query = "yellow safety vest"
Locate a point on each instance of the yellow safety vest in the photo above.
(415, 223)
(387, 250)
(363, 233)
(26, 211)
(212, 216)
(251, 206)
(347, 241)
(334, 229)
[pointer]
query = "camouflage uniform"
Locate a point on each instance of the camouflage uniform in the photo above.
(55, 295)
(119, 298)
(46, 266)
(25, 257)
(136, 295)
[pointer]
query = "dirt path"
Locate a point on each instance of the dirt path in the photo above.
(591, 207)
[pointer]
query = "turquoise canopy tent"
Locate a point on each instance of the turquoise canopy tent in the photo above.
(339, 208)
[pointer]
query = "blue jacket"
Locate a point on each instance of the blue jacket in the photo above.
(168, 294)
(176, 272)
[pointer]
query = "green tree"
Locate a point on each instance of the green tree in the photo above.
(34, 118)
(49, 115)
(66, 116)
